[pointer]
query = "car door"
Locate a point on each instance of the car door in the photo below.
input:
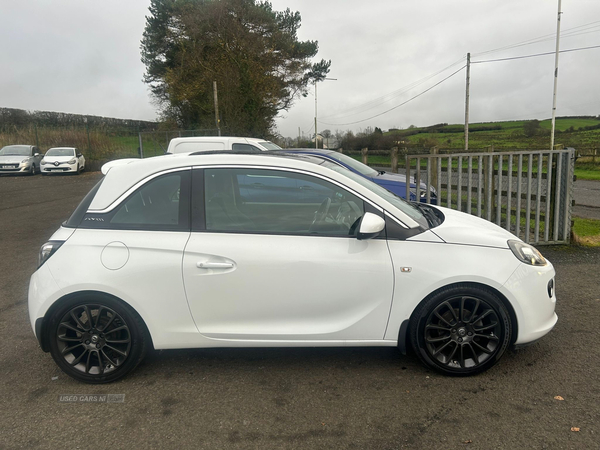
(137, 247)
(266, 267)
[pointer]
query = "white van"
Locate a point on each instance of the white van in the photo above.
(208, 143)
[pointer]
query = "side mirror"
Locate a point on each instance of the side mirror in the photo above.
(78, 155)
(36, 154)
(370, 226)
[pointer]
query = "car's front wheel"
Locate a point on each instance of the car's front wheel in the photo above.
(461, 330)
(96, 339)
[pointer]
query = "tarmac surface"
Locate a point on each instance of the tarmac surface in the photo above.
(586, 194)
(546, 395)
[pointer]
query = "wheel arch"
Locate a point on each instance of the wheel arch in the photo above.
(405, 326)
(41, 324)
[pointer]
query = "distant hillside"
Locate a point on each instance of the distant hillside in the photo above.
(579, 132)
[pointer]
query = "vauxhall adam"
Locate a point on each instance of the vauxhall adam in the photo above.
(233, 250)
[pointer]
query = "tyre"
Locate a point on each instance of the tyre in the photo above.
(96, 339)
(78, 171)
(461, 330)
(32, 170)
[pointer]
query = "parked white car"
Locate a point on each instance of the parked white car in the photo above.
(63, 159)
(256, 250)
(216, 143)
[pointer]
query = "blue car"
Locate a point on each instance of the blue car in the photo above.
(393, 182)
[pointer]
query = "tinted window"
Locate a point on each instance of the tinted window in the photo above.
(155, 203)
(270, 201)
(160, 204)
(245, 148)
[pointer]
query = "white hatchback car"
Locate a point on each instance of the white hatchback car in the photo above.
(63, 160)
(233, 250)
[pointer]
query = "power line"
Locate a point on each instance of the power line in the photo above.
(535, 55)
(570, 32)
(397, 106)
(384, 98)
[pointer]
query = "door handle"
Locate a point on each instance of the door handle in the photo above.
(214, 265)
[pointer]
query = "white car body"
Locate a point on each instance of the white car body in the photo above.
(219, 289)
(216, 143)
(63, 160)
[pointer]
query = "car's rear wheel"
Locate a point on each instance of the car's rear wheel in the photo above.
(96, 339)
(461, 330)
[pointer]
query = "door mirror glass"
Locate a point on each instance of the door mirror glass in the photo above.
(370, 226)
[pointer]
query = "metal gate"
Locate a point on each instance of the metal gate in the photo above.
(529, 193)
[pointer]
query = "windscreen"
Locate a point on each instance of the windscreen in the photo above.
(60, 152)
(16, 150)
(356, 165)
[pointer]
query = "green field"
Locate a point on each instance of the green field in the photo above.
(586, 231)
(569, 132)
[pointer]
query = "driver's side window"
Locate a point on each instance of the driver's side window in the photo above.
(278, 202)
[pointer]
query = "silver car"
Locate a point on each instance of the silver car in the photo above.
(20, 159)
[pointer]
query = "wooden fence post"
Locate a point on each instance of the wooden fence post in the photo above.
(394, 158)
(365, 155)
(433, 163)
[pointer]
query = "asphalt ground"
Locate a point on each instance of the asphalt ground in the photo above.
(586, 194)
(290, 398)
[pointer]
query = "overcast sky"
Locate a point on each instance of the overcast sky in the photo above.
(83, 57)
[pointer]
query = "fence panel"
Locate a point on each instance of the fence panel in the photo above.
(529, 193)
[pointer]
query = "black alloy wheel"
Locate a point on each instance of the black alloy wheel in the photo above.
(97, 341)
(461, 330)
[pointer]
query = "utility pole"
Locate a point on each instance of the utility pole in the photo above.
(217, 121)
(467, 102)
(555, 78)
(332, 79)
(298, 137)
(316, 145)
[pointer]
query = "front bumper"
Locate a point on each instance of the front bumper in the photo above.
(61, 168)
(15, 168)
(532, 302)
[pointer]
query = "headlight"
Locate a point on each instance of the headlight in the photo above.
(26, 160)
(42, 162)
(73, 161)
(47, 250)
(527, 253)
